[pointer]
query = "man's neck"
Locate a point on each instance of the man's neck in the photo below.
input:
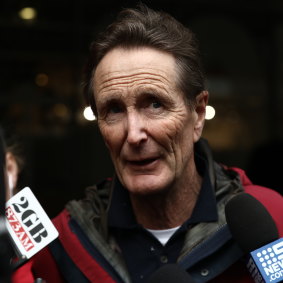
(169, 208)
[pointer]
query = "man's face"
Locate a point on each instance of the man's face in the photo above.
(144, 119)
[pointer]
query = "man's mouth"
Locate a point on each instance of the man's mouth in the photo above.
(143, 162)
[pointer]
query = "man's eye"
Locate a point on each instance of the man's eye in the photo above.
(115, 109)
(156, 104)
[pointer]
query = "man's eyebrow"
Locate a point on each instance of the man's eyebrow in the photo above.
(109, 97)
(160, 92)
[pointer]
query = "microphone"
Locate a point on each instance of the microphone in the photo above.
(28, 225)
(254, 230)
(170, 273)
(21, 228)
(6, 250)
(2, 175)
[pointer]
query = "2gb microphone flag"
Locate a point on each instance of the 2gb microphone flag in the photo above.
(28, 224)
(266, 263)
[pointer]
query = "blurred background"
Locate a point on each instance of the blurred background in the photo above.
(44, 44)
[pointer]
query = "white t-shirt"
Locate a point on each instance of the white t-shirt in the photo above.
(163, 235)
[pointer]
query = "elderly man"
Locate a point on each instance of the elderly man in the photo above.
(145, 83)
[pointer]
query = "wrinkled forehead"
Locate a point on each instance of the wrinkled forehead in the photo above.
(127, 62)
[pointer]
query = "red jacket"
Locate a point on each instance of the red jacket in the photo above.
(43, 265)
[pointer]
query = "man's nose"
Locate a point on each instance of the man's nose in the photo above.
(136, 128)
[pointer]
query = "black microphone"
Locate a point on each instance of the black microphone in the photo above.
(170, 273)
(5, 245)
(2, 175)
(255, 232)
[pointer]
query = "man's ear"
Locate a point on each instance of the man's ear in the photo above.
(200, 106)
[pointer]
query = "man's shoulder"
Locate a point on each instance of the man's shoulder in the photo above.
(271, 199)
(258, 191)
(61, 219)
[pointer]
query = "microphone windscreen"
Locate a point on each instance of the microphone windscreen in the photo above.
(250, 223)
(171, 273)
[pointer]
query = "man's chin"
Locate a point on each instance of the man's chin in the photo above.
(146, 187)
